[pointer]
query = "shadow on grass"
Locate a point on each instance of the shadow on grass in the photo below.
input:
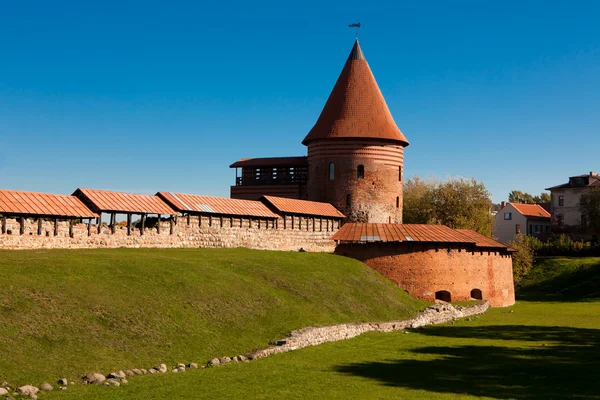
(551, 363)
(581, 283)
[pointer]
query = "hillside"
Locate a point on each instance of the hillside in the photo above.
(567, 278)
(70, 312)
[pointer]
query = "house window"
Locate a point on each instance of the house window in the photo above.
(360, 172)
(561, 201)
(531, 229)
(397, 201)
(547, 228)
(507, 216)
(400, 174)
(331, 171)
(537, 229)
(348, 200)
(517, 228)
(559, 220)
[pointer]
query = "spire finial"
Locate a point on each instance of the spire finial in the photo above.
(357, 26)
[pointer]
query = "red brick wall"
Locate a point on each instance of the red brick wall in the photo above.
(423, 269)
(377, 197)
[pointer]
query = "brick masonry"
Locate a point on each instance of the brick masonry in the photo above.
(422, 269)
(286, 233)
(377, 197)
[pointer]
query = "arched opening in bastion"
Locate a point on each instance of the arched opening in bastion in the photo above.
(443, 295)
(476, 294)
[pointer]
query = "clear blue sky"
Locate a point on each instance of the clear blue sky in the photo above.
(147, 96)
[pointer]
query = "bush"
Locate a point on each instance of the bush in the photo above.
(524, 257)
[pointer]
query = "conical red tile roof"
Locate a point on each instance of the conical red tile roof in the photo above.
(356, 108)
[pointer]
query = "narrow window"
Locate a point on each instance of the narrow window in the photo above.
(561, 201)
(537, 228)
(517, 228)
(360, 172)
(531, 229)
(559, 220)
(507, 216)
(331, 171)
(397, 202)
(348, 200)
(400, 174)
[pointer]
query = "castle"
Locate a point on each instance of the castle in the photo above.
(355, 154)
(345, 196)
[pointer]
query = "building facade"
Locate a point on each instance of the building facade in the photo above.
(516, 218)
(566, 216)
(355, 154)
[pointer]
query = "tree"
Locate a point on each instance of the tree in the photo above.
(516, 196)
(458, 203)
(589, 207)
(523, 258)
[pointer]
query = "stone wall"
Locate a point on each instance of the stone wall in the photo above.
(287, 233)
(422, 269)
(313, 336)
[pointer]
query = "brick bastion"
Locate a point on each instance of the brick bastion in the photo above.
(453, 272)
(433, 262)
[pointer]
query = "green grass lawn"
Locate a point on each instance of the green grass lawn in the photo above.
(547, 348)
(534, 350)
(564, 278)
(542, 350)
(65, 313)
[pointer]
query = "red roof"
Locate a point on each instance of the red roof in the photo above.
(356, 108)
(364, 232)
(216, 205)
(480, 240)
(304, 207)
(32, 203)
(271, 162)
(106, 201)
(531, 210)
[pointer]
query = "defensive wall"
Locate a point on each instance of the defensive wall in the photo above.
(433, 262)
(175, 232)
(103, 219)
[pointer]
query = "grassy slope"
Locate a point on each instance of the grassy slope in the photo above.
(541, 350)
(65, 313)
(562, 277)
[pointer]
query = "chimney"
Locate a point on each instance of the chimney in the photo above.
(502, 205)
(592, 173)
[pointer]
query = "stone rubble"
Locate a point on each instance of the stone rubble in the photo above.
(312, 336)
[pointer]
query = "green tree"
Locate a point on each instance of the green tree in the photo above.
(517, 196)
(523, 258)
(458, 203)
(589, 207)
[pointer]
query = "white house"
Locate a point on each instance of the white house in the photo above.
(515, 218)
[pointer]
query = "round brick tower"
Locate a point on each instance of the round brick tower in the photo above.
(355, 149)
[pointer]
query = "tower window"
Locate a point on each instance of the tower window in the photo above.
(400, 174)
(331, 171)
(360, 172)
(397, 201)
(348, 200)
